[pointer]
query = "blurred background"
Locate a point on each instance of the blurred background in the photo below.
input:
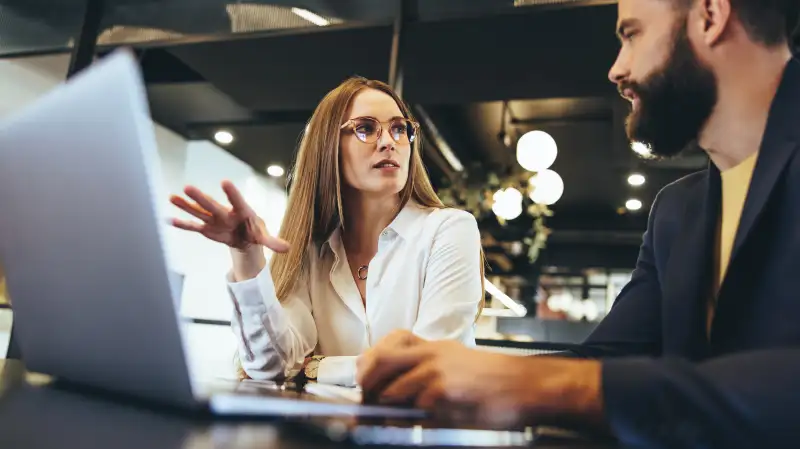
(521, 128)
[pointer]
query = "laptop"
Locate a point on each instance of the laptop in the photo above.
(83, 247)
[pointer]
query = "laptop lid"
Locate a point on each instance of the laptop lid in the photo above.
(81, 239)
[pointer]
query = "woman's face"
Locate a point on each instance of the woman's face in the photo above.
(375, 147)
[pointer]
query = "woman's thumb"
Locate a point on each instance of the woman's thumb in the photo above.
(274, 243)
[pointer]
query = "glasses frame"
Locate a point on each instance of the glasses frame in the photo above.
(350, 124)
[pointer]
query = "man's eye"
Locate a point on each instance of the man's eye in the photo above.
(628, 35)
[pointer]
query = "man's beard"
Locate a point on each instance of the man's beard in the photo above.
(674, 101)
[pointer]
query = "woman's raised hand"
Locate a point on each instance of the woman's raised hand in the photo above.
(237, 226)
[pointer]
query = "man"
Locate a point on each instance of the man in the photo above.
(702, 347)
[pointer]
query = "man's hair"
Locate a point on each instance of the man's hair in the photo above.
(769, 22)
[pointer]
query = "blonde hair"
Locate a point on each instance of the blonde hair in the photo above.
(315, 205)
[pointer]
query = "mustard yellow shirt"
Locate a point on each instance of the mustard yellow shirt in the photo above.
(735, 184)
(3, 294)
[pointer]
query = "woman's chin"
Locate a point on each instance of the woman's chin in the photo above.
(386, 189)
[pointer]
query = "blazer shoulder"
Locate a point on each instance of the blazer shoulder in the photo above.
(689, 185)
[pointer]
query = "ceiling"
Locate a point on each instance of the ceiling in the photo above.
(549, 67)
(461, 61)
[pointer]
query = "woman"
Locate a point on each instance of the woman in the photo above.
(365, 247)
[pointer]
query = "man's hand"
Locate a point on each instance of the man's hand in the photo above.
(368, 362)
(452, 380)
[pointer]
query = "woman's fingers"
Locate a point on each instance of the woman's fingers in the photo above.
(246, 228)
(236, 199)
(188, 225)
(191, 208)
(206, 202)
(259, 232)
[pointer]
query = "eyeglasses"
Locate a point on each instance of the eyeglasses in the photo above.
(368, 129)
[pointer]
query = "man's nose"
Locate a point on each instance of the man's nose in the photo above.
(618, 71)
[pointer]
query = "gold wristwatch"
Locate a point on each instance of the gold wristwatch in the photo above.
(312, 367)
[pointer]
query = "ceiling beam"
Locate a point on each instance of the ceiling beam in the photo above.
(581, 256)
(600, 237)
(257, 119)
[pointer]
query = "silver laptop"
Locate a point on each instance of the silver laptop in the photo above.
(82, 245)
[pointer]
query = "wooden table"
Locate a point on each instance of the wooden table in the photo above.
(34, 414)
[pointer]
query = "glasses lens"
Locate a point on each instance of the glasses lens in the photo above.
(402, 131)
(366, 129)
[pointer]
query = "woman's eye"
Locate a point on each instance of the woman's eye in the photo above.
(365, 129)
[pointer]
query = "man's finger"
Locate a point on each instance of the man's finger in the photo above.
(431, 396)
(406, 388)
(395, 340)
(389, 364)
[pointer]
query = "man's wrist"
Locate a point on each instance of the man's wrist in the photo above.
(587, 390)
(569, 391)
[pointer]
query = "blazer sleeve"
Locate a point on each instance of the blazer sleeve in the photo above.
(633, 325)
(744, 400)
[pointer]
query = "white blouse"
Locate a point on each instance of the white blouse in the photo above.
(424, 278)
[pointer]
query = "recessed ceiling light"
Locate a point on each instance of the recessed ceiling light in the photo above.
(636, 179)
(275, 171)
(633, 204)
(223, 137)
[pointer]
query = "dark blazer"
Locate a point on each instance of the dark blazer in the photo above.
(741, 387)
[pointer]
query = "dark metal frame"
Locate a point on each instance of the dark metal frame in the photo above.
(84, 48)
(189, 40)
(406, 12)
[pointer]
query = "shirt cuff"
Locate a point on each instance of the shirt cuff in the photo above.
(258, 291)
(337, 371)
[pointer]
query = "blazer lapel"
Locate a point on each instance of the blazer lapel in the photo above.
(777, 147)
(688, 280)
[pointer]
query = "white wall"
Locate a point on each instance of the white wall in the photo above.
(200, 163)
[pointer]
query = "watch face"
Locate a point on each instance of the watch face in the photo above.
(312, 368)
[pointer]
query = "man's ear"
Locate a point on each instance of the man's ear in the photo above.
(716, 17)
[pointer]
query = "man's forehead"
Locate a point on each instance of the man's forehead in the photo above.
(644, 10)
